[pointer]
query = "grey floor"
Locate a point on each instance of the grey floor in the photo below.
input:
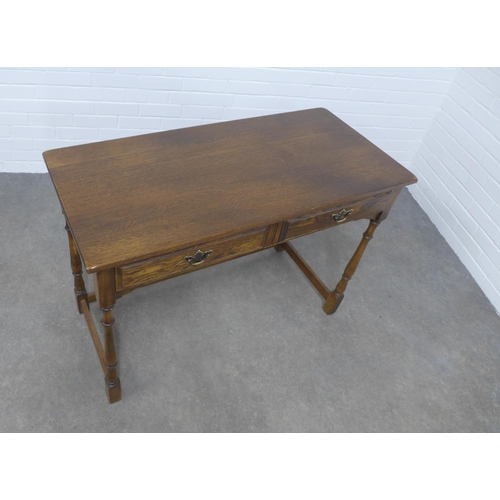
(245, 346)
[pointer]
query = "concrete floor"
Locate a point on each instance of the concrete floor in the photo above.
(245, 346)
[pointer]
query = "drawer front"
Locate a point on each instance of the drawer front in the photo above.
(162, 267)
(311, 223)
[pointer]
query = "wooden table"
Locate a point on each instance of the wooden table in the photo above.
(144, 209)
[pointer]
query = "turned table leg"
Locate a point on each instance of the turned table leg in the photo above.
(76, 267)
(105, 281)
(335, 297)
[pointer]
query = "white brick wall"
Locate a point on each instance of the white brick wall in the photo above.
(458, 165)
(42, 109)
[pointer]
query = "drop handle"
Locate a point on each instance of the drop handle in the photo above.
(198, 258)
(342, 215)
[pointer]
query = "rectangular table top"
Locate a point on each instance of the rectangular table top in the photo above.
(137, 197)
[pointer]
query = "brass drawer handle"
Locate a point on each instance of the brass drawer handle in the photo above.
(342, 215)
(198, 258)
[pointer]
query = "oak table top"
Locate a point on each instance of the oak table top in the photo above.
(138, 197)
(144, 209)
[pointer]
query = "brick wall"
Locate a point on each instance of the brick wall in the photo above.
(49, 108)
(458, 165)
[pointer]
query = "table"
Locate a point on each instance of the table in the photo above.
(148, 208)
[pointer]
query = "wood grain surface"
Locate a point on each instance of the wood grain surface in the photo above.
(135, 198)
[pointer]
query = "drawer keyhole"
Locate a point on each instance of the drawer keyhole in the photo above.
(198, 258)
(342, 215)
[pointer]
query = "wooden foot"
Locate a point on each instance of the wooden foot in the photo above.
(76, 267)
(113, 391)
(279, 248)
(332, 302)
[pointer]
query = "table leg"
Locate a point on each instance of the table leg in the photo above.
(106, 296)
(335, 297)
(76, 267)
